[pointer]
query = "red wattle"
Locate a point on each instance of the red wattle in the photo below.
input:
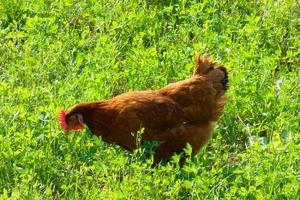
(78, 127)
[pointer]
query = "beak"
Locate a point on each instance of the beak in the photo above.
(71, 129)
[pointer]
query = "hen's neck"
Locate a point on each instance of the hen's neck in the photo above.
(98, 116)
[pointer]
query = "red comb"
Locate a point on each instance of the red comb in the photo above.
(62, 119)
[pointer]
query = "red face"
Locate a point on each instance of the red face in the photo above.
(73, 122)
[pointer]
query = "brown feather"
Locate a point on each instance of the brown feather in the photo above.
(180, 113)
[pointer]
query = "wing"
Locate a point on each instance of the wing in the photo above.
(141, 110)
(149, 110)
(196, 96)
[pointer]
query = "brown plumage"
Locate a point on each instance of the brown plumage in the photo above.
(180, 113)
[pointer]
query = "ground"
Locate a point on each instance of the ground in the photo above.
(54, 54)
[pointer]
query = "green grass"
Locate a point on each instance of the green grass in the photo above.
(54, 54)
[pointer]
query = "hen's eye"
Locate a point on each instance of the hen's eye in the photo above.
(71, 120)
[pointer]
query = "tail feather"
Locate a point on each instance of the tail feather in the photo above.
(218, 74)
(203, 65)
(225, 80)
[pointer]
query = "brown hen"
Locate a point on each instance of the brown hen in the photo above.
(180, 113)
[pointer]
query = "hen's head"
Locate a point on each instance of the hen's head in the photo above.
(70, 121)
